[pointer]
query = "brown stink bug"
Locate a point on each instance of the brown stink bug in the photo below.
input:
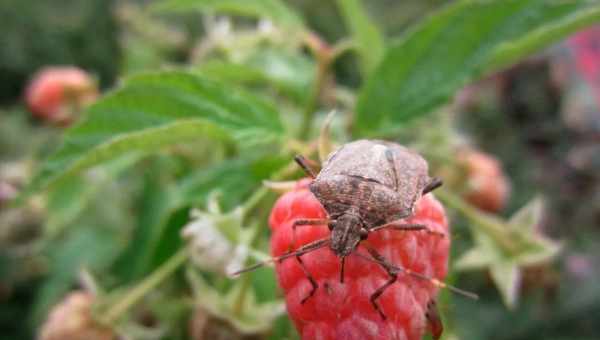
(366, 186)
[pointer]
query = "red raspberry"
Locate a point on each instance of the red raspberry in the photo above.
(487, 186)
(55, 93)
(343, 310)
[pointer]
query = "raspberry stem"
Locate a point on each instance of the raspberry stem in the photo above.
(484, 222)
(240, 299)
(254, 199)
(322, 53)
(149, 283)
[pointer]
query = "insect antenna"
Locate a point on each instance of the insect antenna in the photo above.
(303, 163)
(434, 183)
(433, 281)
(300, 251)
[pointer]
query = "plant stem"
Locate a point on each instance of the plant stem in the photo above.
(486, 223)
(254, 200)
(251, 202)
(238, 305)
(324, 56)
(144, 287)
(363, 31)
(341, 47)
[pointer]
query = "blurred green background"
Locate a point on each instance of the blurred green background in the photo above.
(540, 118)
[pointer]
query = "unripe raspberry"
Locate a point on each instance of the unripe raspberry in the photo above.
(487, 186)
(72, 319)
(343, 310)
(7, 193)
(55, 94)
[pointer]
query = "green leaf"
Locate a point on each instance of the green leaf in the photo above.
(290, 74)
(70, 197)
(153, 208)
(154, 110)
(364, 33)
(153, 238)
(459, 44)
(89, 247)
(507, 277)
(231, 179)
(528, 217)
(477, 257)
(283, 329)
(253, 317)
(539, 250)
(501, 246)
(274, 10)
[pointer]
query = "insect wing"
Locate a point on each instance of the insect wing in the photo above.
(363, 159)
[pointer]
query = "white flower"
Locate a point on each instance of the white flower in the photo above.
(209, 248)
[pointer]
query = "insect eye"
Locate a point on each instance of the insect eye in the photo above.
(364, 233)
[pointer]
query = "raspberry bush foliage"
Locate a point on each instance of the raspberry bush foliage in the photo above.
(166, 182)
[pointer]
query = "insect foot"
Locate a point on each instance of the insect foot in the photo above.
(390, 277)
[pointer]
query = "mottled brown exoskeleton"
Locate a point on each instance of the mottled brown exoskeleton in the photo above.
(365, 186)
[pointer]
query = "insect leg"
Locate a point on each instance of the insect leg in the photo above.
(393, 277)
(310, 278)
(435, 282)
(435, 183)
(307, 248)
(301, 222)
(303, 163)
(434, 322)
(408, 227)
(396, 225)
